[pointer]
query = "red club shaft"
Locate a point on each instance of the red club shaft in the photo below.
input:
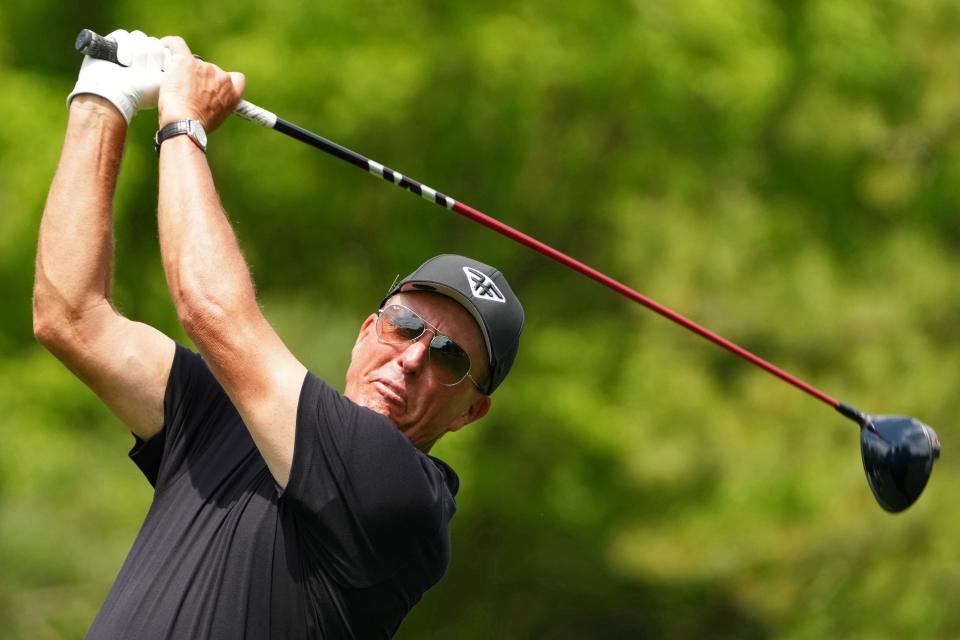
(622, 289)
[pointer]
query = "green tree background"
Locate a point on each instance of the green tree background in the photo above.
(784, 172)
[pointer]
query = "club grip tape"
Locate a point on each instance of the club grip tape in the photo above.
(92, 44)
(253, 113)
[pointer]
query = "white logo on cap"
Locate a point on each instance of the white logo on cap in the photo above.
(482, 286)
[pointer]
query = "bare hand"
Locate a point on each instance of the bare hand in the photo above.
(195, 89)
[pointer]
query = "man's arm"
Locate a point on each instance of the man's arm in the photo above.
(125, 363)
(206, 272)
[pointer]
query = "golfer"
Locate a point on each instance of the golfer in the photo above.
(282, 508)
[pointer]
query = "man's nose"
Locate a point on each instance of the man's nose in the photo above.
(414, 357)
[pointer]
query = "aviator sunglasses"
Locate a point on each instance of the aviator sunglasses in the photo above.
(448, 361)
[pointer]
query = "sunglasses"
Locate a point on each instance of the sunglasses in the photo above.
(448, 361)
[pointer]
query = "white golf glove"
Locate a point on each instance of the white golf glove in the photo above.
(134, 85)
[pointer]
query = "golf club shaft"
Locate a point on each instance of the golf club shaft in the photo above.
(97, 46)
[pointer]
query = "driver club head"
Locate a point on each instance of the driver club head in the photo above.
(898, 454)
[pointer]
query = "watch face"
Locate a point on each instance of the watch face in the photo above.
(199, 133)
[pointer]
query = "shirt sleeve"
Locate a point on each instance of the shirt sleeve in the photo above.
(371, 500)
(193, 405)
(147, 455)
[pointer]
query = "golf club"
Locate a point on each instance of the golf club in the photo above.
(898, 451)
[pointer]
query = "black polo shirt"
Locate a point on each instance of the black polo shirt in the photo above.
(351, 544)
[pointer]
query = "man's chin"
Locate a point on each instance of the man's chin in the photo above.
(378, 405)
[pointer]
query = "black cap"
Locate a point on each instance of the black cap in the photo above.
(485, 293)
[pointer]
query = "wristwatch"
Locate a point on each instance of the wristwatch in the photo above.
(192, 128)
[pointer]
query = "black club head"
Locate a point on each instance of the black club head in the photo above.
(898, 454)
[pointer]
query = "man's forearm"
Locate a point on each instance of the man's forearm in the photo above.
(75, 248)
(206, 272)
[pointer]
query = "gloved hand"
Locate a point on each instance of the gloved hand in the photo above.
(130, 87)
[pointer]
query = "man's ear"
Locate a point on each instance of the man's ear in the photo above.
(366, 327)
(477, 409)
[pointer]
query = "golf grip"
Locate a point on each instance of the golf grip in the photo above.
(94, 45)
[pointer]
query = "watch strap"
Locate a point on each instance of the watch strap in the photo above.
(179, 127)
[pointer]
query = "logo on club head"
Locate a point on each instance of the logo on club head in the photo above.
(482, 286)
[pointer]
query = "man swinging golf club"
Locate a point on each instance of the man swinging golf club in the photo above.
(282, 509)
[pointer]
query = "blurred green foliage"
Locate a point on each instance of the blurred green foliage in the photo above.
(784, 172)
